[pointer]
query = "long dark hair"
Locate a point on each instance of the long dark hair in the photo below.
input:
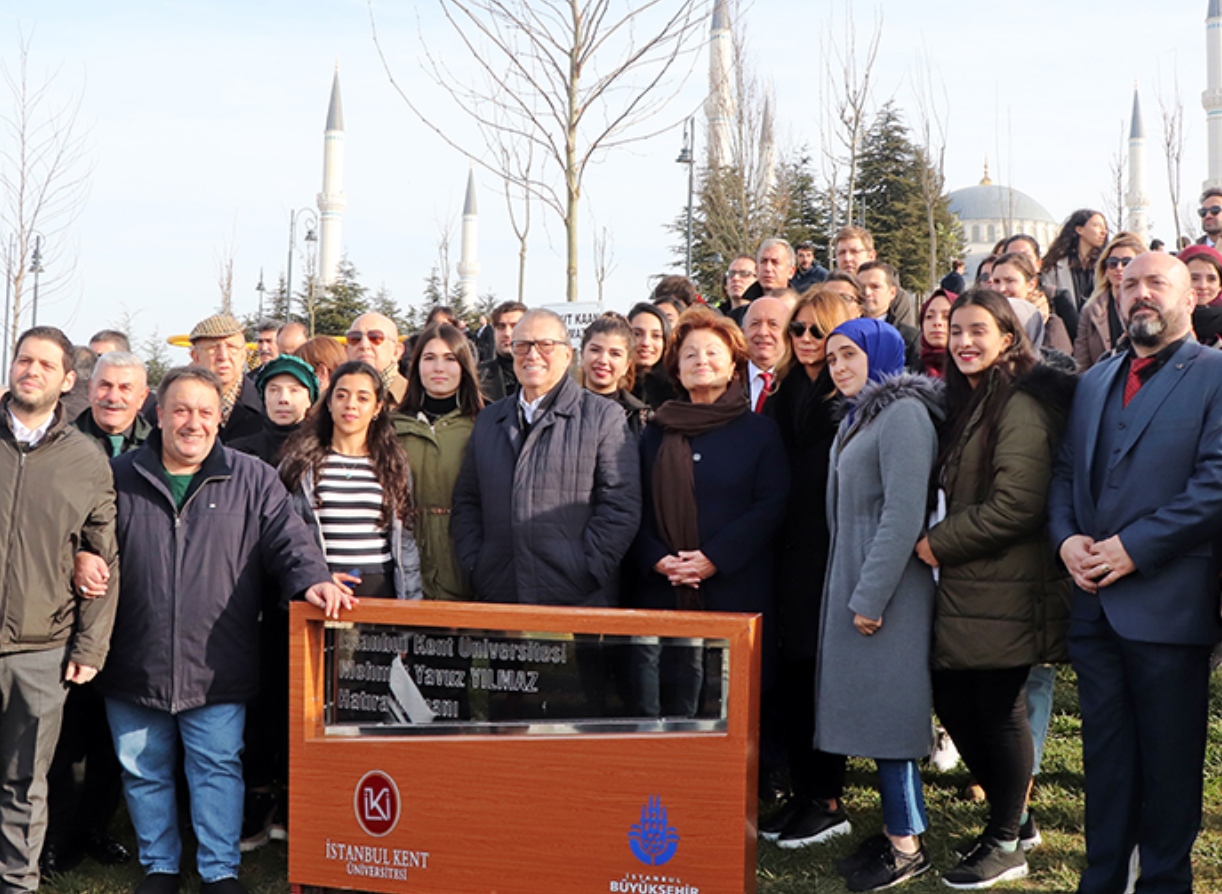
(308, 448)
(611, 323)
(993, 390)
(1065, 245)
(470, 401)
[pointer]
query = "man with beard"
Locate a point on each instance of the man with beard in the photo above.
(56, 496)
(1134, 511)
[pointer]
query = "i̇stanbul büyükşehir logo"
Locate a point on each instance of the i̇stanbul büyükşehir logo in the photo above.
(376, 803)
(653, 840)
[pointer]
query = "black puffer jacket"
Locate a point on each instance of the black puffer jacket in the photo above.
(187, 631)
(545, 516)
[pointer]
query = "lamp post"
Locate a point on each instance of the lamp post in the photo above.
(687, 156)
(311, 224)
(36, 268)
(260, 288)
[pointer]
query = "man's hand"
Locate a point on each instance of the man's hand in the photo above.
(866, 626)
(331, 597)
(79, 673)
(1078, 556)
(90, 575)
(1112, 561)
(925, 554)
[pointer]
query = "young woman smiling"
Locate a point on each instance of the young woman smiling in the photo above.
(607, 366)
(1002, 597)
(651, 335)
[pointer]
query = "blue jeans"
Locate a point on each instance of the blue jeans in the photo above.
(1040, 682)
(146, 742)
(899, 784)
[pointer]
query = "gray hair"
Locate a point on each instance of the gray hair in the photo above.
(542, 313)
(119, 360)
(776, 240)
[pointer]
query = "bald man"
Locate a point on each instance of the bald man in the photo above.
(374, 338)
(764, 325)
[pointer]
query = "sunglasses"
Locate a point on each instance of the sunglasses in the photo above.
(1215, 210)
(545, 347)
(1113, 263)
(375, 337)
(797, 329)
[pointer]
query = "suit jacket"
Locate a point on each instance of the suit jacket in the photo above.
(1161, 493)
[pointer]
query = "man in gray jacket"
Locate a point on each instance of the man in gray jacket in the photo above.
(549, 497)
(55, 497)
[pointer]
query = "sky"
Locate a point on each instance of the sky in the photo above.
(205, 131)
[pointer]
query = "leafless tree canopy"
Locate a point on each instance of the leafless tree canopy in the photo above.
(931, 134)
(574, 78)
(1113, 198)
(1172, 114)
(44, 179)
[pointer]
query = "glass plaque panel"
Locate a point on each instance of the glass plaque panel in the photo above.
(390, 680)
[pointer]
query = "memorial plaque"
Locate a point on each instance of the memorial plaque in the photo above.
(402, 681)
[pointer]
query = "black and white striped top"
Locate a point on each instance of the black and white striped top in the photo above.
(350, 514)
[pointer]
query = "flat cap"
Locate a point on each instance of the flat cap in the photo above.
(216, 326)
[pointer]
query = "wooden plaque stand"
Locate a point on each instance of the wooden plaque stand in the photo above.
(524, 812)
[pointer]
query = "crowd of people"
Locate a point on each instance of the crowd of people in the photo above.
(931, 503)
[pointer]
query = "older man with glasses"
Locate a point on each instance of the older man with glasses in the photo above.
(374, 338)
(218, 344)
(549, 496)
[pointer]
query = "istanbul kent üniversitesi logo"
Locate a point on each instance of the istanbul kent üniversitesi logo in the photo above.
(653, 840)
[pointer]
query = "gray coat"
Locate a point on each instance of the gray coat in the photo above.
(873, 692)
(545, 515)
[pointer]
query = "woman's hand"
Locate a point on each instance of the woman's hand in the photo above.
(925, 554)
(866, 626)
(686, 569)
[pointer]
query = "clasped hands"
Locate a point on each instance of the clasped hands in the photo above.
(686, 568)
(1095, 564)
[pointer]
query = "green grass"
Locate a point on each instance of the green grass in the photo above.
(1057, 801)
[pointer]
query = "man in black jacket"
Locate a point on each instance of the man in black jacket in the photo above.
(200, 526)
(55, 495)
(496, 376)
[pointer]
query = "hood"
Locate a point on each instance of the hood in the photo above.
(1051, 386)
(877, 396)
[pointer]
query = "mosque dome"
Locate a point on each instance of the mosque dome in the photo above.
(989, 212)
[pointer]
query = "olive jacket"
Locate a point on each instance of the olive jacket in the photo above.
(1003, 596)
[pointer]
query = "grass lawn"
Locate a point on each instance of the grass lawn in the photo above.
(1057, 801)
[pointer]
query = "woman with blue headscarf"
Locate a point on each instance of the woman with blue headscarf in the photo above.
(873, 694)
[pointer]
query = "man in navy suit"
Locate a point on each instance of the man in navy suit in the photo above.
(1135, 508)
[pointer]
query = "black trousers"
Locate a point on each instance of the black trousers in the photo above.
(1144, 723)
(985, 712)
(815, 774)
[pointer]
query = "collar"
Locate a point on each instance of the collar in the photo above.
(30, 437)
(1160, 358)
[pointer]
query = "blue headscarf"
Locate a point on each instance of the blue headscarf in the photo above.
(882, 345)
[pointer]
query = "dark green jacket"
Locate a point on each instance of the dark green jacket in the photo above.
(136, 435)
(55, 499)
(1003, 597)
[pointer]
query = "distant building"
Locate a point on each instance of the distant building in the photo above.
(989, 212)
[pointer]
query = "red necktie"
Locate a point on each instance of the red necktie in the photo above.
(1134, 382)
(759, 401)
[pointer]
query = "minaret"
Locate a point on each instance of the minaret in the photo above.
(719, 107)
(332, 201)
(1211, 99)
(767, 161)
(1138, 222)
(468, 265)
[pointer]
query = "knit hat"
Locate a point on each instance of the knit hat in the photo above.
(287, 365)
(216, 326)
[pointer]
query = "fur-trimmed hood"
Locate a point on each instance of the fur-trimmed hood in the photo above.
(1051, 386)
(877, 396)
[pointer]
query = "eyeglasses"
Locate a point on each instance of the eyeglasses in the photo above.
(375, 337)
(1215, 210)
(1113, 263)
(545, 346)
(740, 274)
(219, 347)
(797, 329)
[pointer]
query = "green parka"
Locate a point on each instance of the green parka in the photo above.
(434, 455)
(1003, 597)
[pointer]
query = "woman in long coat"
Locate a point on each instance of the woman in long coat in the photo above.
(873, 693)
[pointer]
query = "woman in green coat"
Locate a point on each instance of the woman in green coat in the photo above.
(434, 423)
(1002, 602)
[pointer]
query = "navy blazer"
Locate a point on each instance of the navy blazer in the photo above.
(1161, 493)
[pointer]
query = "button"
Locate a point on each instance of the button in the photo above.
(1123, 426)
(695, 457)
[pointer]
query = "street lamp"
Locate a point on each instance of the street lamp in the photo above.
(311, 224)
(687, 156)
(36, 268)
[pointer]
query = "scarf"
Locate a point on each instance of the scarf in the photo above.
(674, 478)
(883, 346)
(229, 400)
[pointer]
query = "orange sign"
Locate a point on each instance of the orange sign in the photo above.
(508, 790)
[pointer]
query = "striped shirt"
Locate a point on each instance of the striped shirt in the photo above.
(350, 515)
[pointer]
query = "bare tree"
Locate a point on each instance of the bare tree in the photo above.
(848, 72)
(519, 158)
(604, 258)
(224, 267)
(576, 78)
(44, 181)
(1113, 197)
(1172, 114)
(932, 120)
